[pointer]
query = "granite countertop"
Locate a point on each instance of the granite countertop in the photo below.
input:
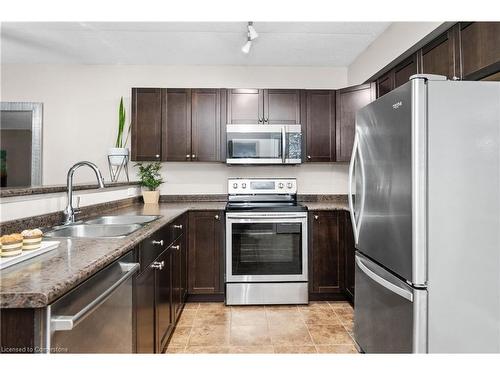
(41, 280)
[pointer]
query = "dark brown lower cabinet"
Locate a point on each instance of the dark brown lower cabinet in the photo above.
(349, 253)
(164, 302)
(326, 276)
(145, 311)
(205, 254)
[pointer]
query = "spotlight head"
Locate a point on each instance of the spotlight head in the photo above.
(252, 34)
(246, 46)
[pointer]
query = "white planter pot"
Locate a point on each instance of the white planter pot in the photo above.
(117, 155)
(151, 197)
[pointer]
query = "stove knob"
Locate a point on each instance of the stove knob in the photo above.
(235, 185)
(243, 185)
(280, 185)
(289, 185)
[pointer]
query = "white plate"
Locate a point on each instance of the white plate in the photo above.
(25, 255)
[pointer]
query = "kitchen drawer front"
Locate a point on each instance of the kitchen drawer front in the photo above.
(176, 228)
(153, 246)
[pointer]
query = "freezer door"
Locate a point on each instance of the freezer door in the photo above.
(389, 315)
(387, 176)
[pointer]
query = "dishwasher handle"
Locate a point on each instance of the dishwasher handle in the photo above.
(68, 322)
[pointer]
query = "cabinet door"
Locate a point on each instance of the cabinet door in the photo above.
(348, 102)
(177, 129)
(206, 125)
(176, 279)
(349, 256)
(282, 106)
(205, 251)
(326, 266)
(385, 83)
(405, 70)
(145, 311)
(147, 106)
(480, 48)
(164, 317)
(245, 106)
(320, 125)
(441, 57)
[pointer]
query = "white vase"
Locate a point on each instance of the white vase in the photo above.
(151, 197)
(117, 155)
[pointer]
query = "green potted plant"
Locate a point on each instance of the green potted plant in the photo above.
(150, 179)
(118, 153)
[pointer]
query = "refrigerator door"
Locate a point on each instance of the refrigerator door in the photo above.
(391, 140)
(390, 315)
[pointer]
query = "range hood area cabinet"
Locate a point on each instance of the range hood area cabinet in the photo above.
(263, 106)
(177, 124)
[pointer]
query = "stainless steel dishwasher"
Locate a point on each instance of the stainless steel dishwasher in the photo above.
(96, 316)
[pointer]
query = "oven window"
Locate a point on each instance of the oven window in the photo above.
(254, 145)
(267, 249)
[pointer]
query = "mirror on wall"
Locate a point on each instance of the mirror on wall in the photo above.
(20, 144)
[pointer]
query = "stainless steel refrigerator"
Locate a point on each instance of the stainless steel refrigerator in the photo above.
(426, 216)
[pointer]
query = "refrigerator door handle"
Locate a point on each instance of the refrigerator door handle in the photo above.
(356, 224)
(383, 282)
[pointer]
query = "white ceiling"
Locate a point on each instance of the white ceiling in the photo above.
(191, 43)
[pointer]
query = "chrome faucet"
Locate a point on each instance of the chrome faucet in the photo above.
(69, 212)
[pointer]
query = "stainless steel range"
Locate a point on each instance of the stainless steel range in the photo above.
(266, 243)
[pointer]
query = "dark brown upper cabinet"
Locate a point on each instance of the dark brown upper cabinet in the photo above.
(258, 106)
(177, 127)
(326, 267)
(319, 122)
(385, 83)
(405, 70)
(441, 56)
(245, 106)
(206, 125)
(480, 49)
(281, 106)
(348, 101)
(147, 106)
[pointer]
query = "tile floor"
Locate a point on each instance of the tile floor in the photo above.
(320, 327)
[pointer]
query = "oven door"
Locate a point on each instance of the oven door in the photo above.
(266, 246)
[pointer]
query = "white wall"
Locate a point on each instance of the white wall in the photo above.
(395, 40)
(80, 116)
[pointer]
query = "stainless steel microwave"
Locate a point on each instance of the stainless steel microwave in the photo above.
(264, 144)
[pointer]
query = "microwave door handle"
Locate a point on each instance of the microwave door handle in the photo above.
(67, 323)
(283, 144)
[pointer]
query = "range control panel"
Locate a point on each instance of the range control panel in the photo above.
(262, 186)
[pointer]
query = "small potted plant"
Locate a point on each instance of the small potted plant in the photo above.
(118, 153)
(150, 178)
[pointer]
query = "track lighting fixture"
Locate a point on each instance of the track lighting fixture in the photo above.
(251, 35)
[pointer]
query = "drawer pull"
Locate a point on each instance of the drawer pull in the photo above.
(158, 265)
(158, 242)
(316, 217)
(175, 226)
(216, 217)
(176, 247)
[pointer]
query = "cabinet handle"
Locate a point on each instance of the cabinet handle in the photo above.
(316, 217)
(158, 265)
(188, 156)
(455, 78)
(158, 242)
(309, 157)
(157, 156)
(193, 156)
(216, 217)
(176, 247)
(260, 120)
(266, 120)
(177, 226)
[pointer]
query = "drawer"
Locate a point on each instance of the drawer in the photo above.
(153, 246)
(176, 228)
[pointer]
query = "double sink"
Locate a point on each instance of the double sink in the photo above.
(103, 227)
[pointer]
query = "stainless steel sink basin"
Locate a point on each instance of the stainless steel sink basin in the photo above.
(93, 231)
(123, 219)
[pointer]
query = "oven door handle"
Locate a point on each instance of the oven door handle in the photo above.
(238, 217)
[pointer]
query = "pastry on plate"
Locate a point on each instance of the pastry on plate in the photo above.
(32, 239)
(12, 244)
